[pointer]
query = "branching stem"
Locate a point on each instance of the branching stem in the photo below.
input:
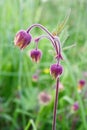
(55, 40)
(56, 44)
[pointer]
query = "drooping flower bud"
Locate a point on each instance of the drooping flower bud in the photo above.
(22, 39)
(35, 55)
(82, 82)
(56, 70)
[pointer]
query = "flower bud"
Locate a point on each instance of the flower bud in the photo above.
(35, 55)
(56, 70)
(82, 82)
(22, 39)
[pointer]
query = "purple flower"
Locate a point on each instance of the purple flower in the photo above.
(82, 82)
(36, 55)
(22, 39)
(35, 77)
(44, 98)
(56, 70)
(75, 106)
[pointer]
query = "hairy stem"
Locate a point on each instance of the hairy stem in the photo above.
(58, 41)
(58, 46)
(45, 36)
(40, 26)
(55, 105)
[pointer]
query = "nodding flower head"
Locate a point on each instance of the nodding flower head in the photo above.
(22, 39)
(56, 70)
(36, 55)
(82, 82)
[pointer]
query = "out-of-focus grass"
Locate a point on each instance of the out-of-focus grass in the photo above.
(19, 106)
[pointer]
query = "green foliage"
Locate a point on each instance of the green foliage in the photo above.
(19, 104)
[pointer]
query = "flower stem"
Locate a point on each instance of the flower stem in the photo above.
(55, 105)
(45, 36)
(42, 27)
(57, 41)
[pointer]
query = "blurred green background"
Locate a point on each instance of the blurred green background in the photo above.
(20, 107)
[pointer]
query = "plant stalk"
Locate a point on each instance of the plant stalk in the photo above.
(40, 26)
(55, 105)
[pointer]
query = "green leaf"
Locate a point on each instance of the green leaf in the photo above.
(68, 99)
(31, 122)
(69, 47)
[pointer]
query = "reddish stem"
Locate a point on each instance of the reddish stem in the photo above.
(40, 26)
(55, 105)
(45, 36)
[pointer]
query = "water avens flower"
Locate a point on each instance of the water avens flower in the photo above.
(56, 70)
(81, 84)
(22, 39)
(75, 106)
(44, 98)
(35, 55)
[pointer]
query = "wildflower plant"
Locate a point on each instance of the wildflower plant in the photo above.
(23, 38)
